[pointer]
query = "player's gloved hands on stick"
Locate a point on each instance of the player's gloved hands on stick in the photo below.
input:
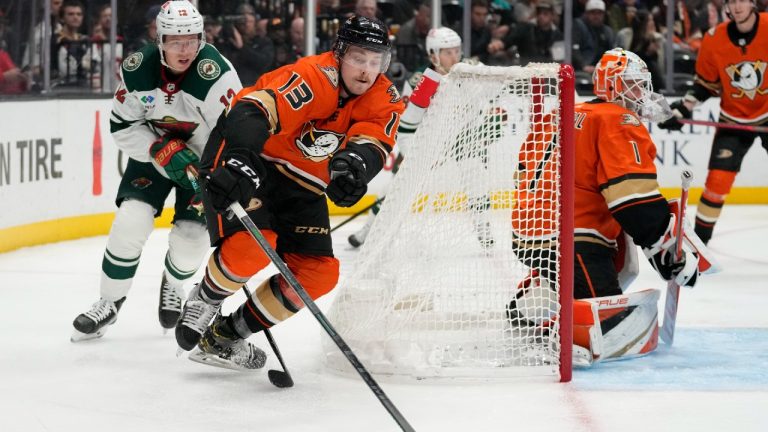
(679, 111)
(661, 255)
(236, 180)
(175, 157)
(348, 182)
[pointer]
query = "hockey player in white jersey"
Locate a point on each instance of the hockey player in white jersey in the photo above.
(170, 98)
(444, 49)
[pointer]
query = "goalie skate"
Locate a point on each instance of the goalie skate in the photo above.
(221, 348)
(94, 323)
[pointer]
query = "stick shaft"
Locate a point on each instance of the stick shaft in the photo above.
(319, 316)
(735, 126)
(673, 288)
(351, 218)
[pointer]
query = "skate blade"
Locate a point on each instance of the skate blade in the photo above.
(78, 336)
(201, 357)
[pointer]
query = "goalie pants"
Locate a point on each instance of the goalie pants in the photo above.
(595, 273)
(728, 150)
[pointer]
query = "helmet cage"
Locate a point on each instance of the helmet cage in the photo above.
(622, 77)
(179, 18)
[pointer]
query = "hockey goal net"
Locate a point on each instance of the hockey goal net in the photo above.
(430, 291)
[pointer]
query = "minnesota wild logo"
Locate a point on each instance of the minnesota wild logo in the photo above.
(133, 61)
(208, 69)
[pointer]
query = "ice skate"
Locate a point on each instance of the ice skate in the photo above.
(169, 308)
(94, 323)
(194, 319)
(221, 347)
(358, 238)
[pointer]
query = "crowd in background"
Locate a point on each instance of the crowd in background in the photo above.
(259, 35)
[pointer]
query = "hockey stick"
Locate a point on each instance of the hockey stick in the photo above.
(281, 379)
(351, 218)
(735, 126)
(673, 288)
(319, 316)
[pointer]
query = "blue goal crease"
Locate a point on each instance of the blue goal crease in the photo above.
(701, 359)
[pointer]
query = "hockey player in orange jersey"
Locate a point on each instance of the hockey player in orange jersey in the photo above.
(616, 193)
(322, 126)
(731, 64)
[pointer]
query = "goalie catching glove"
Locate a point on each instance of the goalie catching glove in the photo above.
(173, 155)
(661, 255)
(679, 111)
(235, 180)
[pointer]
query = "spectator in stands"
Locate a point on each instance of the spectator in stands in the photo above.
(484, 44)
(72, 51)
(367, 8)
(212, 28)
(249, 50)
(535, 41)
(101, 63)
(33, 54)
(643, 39)
(150, 30)
(290, 48)
(9, 39)
(410, 41)
(525, 10)
(12, 80)
(620, 14)
(591, 37)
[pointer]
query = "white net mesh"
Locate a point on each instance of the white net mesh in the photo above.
(430, 292)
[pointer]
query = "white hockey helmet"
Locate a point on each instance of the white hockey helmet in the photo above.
(442, 37)
(179, 17)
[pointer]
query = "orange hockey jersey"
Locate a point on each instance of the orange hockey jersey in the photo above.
(615, 186)
(737, 74)
(309, 122)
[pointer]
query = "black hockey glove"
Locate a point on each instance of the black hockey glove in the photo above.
(348, 178)
(679, 111)
(236, 180)
(661, 255)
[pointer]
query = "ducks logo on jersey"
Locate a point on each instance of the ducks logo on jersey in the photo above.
(317, 144)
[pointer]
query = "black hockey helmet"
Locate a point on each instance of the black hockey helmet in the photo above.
(367, 33)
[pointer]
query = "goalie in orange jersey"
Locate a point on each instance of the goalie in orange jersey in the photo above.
(322, 126)
(617, 205)
(731, 64)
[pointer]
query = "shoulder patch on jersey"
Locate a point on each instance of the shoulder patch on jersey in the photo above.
(711, 31)
(133, 61)
(332, 73)
(629, 119)
(394, 94)
(208, 69)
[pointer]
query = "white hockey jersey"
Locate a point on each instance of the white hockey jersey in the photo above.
(150, 102)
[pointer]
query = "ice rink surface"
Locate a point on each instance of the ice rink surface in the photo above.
(715, 377)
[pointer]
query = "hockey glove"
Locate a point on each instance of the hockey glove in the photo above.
(236, 180)
(173, 155)
(348, 178)
(661, 255)
(679, 111)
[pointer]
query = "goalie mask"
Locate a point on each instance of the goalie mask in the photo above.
(367, 33)
(178, 17)
(438, 39)
(623, 78)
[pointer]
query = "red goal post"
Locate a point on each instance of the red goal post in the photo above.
(441, 288)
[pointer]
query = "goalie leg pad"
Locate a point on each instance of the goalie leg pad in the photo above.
(617, 327)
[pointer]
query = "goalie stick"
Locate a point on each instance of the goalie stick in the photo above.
(250, 226)
(363, 210)
(673, 288)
